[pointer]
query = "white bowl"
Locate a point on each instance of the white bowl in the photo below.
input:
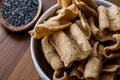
(41, 65)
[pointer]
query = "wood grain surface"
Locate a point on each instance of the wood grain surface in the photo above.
(15, 58)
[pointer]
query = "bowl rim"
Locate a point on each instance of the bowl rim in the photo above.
(25, 27)
(36, 64)
(39, 70)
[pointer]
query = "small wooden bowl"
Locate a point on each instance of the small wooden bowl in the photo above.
(12, 28)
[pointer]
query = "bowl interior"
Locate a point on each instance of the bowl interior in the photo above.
(43, 68)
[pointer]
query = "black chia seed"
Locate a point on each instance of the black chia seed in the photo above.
(19, 12)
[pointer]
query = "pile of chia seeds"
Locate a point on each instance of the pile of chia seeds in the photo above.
(19, 12)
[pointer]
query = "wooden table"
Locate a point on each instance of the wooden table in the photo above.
(15, 58)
